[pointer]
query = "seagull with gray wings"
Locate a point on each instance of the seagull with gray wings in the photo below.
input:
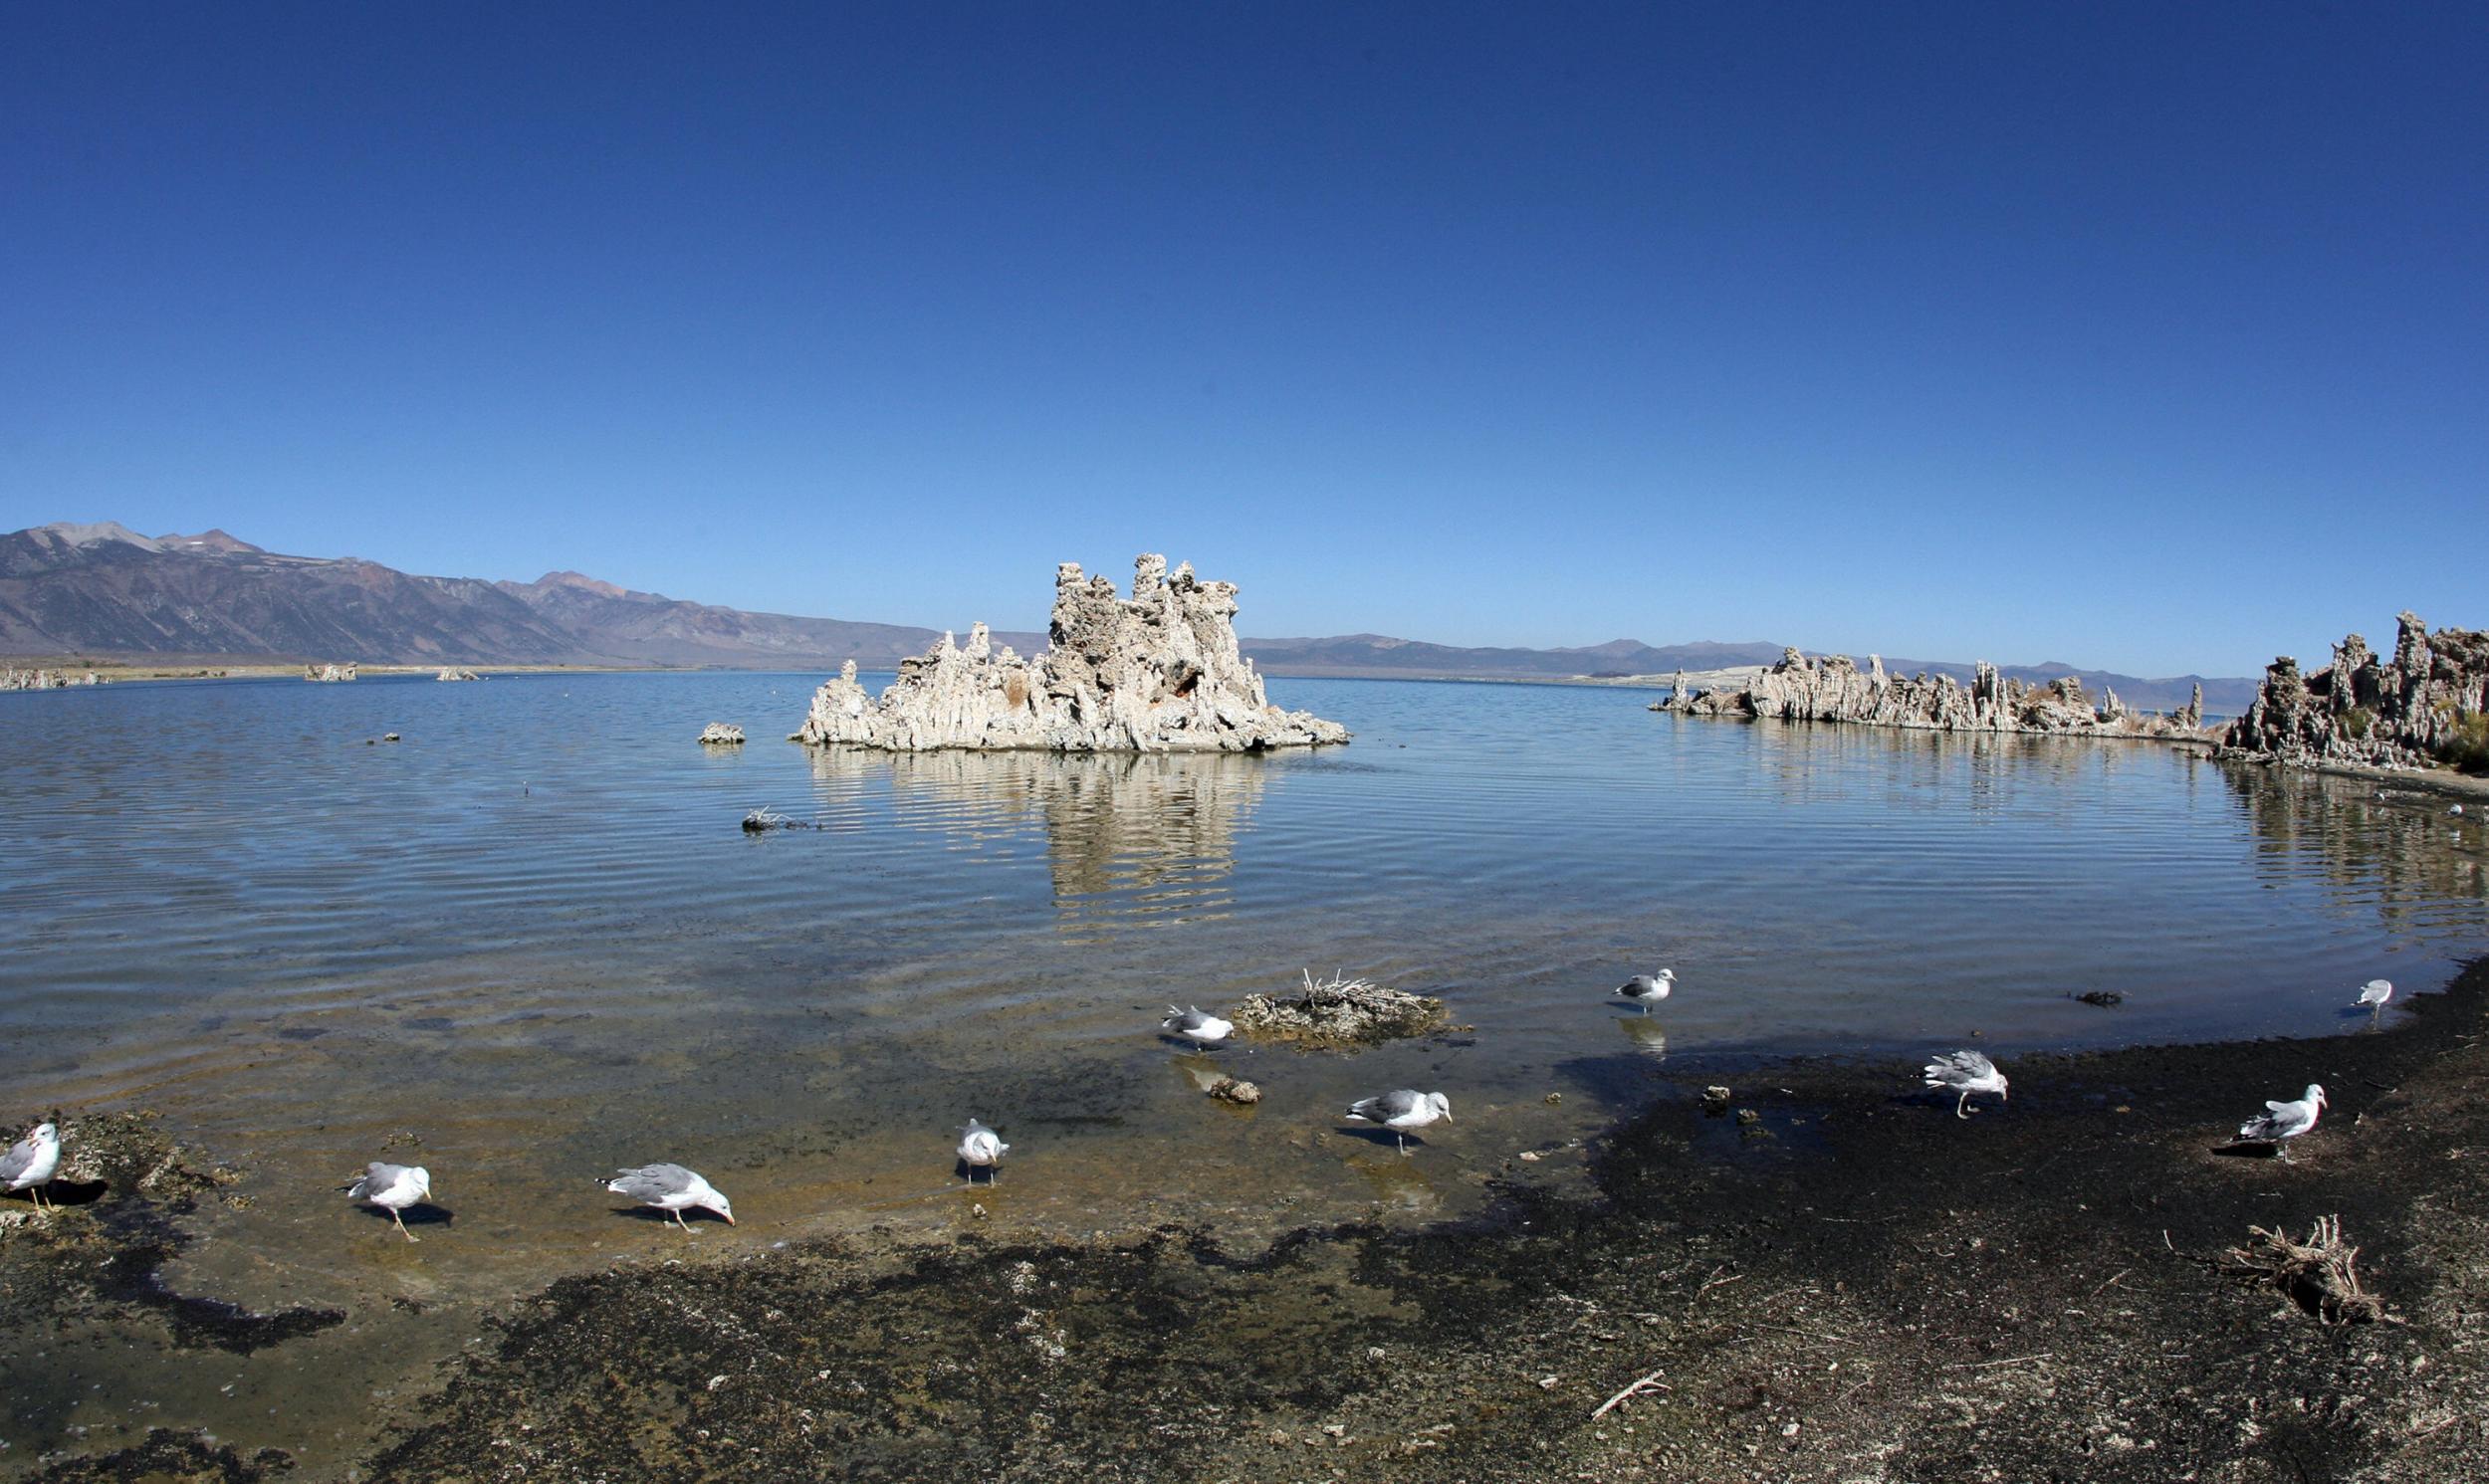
(982, 1149)
(1200, 1030)
(672, 1189)
(393, 1188)
(1966, 1072)
(29, 1164)
(1401, 1111)
(2279, 1123)
(1648, 990)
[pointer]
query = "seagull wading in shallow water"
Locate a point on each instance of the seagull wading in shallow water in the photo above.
(1966, 1072)
(673, 1189)
(2281, 1122)
(393, 1188)
(1402, 1110)
(29, 1164)
(2374, 993)
(1648, 990)
(982, 1149)
(1195, 1028)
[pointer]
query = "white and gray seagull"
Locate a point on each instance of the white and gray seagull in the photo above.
(2282, 1122)
(1401, 1111)
(29, 1164)
(673, 1189)
(1648, 990)
(1195, 1028)
(982, 1149)
(393, 1188)
(1966, 1072)
(2374, 994)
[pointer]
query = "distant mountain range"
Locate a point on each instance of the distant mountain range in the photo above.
(105, 591)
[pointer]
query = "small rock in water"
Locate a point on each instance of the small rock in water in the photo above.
(1340, 1012)
(389, 737)
(719, 734)
(1748, 1115)
(1235, 1089)
(2103, 998)
(1715, 1100)
(1554, 1098)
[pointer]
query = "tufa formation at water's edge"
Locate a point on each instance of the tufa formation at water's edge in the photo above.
(1833, 689)
(1158, 672)
(2425, 706)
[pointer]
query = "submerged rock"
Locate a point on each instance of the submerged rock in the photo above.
(1831, 688)
(720, 735)
(2428, 704)
(328, 673)
(1236, 1089)
(1157, 672)
(1340, 1013)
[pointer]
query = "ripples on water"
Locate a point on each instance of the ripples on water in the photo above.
(532, 933)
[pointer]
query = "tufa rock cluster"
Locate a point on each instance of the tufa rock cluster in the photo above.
(1832, 688)
(2426, 704)
(1158, 672)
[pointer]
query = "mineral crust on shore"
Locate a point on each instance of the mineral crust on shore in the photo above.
(1831, 688)
(2419, 707)
(1158, 672)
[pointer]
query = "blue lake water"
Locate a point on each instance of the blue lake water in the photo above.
(531, 941)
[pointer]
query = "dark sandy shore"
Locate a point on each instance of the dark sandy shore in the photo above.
(1853, 1286)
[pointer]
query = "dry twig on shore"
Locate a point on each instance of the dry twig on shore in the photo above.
(2319, 1274)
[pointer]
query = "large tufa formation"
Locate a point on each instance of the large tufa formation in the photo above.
(328, 673)
(1158, 672)
(1833, 689)
(45, 680)
(2424, 704)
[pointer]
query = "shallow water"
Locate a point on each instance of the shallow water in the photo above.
(531, 941)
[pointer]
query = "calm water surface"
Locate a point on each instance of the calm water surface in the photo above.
(531, 941)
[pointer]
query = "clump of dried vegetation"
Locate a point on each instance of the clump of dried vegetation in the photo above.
(2320, 1274)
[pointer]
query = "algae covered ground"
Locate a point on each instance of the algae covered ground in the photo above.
(1851, 1284)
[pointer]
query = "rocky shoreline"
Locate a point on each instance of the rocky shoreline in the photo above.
(1831, 688)
(1850, 1284)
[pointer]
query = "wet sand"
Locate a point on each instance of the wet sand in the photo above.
(1853, 1285)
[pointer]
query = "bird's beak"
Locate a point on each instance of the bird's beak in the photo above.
(730, 1220)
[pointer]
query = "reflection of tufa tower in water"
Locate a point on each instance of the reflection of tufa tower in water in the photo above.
(1129, 840)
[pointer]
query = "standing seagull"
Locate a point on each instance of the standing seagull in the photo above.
(393, 1188)
(2373, 995)
(1195, 1028)
(2281, 1122)
(1966, 1072)
(673, 1189)
(1402, 1110)
(982, 1149)
(29, 1164)
(1648, 990)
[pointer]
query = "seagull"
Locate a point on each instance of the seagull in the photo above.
(673, 1189)
(29, 1164)
(2374, 993)
(1966, 1072)
(981, 1147)
(2284, 1121)
(393, 1188)
(1194, 1026)
(1402, 1110)
(1648, 990)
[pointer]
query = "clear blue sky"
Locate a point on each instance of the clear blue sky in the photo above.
(2149, 336)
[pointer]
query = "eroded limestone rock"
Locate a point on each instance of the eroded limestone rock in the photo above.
(1157, 672)
(1340, 1012)
(2426, 704)
(328, 673)
(1831, 688)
